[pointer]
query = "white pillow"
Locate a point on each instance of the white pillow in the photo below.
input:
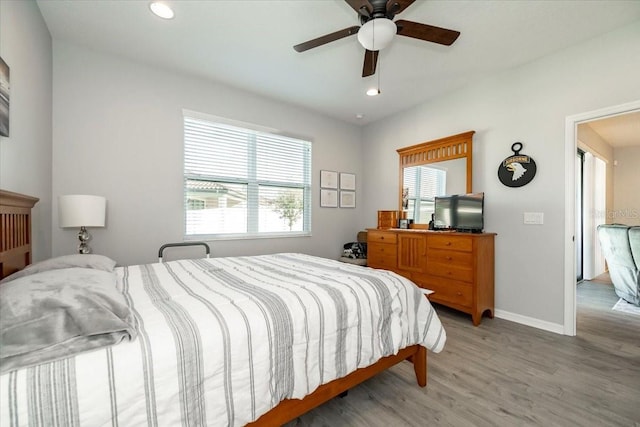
(97, 262)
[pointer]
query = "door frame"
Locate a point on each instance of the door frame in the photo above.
(571, 145)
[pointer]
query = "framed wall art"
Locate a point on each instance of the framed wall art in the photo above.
(4, 98)
(328, 179)
(328, 198)
(347, 199)
(347, 181)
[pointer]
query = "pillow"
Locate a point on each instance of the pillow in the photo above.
(99, 262)
(56, 314)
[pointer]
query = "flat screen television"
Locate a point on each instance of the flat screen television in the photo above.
(460, 212)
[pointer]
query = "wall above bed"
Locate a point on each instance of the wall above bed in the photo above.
(120, 123)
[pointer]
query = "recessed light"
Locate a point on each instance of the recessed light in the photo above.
(373, 91)
(161, 9)
(359, 116)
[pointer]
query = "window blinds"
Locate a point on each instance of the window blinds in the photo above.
(244, 182)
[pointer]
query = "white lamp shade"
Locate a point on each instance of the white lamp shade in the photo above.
(78, 210)
(377, 33)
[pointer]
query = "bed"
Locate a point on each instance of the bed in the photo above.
(223, 341)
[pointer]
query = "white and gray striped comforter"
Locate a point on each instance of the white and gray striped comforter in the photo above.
(221, 341)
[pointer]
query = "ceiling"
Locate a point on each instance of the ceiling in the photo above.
(619, 131)
(249, 44)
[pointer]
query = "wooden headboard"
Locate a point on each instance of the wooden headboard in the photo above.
(15, 231)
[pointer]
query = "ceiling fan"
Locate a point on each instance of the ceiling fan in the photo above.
(378, 28)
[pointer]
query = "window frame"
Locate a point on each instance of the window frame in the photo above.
(253, 184)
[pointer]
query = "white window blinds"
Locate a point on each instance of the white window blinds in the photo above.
(241, 182)
(424, 183)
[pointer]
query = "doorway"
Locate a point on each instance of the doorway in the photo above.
(570, 234)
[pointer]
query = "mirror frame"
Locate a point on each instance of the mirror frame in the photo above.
(439, 150)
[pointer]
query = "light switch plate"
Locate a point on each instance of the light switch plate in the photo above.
(535, 218)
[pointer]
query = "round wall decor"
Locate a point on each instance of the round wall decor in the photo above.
(516, 170)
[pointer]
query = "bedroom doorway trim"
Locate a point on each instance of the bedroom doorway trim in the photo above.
(571, 145)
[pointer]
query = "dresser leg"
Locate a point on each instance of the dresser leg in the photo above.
(476, 318)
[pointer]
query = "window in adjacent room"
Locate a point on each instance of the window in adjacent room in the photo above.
(243, 181)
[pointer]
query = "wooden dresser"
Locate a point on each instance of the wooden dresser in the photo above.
(458, 267)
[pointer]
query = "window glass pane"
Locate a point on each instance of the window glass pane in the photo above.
(244, 181)
(215, 150)
(411, 180)
(215, 207)
(427, 207)
(281, 209)
(433, 182)
(278, 160)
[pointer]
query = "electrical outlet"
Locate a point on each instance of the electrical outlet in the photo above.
(536, 218)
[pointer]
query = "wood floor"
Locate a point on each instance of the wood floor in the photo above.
(506, 374)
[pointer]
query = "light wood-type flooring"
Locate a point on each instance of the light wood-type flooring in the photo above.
(506, 374)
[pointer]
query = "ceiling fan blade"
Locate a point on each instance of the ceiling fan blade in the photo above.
(397, 6)
(426, 32)
(327, 38)
(358, 6)
(370, 63)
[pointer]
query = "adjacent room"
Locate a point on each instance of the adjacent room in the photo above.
(319, 212)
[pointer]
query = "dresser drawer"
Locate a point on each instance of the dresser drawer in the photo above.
(450, 241)
(381, 237)
(381, 256)
(449, 271)
(449, 257)
(449, 292)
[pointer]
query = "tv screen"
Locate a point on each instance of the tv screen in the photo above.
(460, 212)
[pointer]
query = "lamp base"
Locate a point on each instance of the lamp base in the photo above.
(84, 237)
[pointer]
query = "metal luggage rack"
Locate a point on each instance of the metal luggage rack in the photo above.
(181, 244)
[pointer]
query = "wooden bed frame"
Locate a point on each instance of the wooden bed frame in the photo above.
(15, 231)
(15, 254)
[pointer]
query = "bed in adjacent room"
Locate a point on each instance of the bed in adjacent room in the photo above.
(219, 341)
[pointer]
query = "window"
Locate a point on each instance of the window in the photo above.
(241, 182)
(424, 183)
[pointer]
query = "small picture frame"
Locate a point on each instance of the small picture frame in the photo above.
(328, 198)
(347, 199)
(328, 179)
(347, 181)
(403, 223)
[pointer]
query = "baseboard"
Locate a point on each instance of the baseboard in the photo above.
(530, 321)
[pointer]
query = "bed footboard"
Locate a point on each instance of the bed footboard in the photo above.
(290, 409)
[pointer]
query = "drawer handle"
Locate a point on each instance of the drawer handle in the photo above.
(449, 258)
(459, 293)
(448, 243)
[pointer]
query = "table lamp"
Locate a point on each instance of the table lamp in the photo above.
(82, 211)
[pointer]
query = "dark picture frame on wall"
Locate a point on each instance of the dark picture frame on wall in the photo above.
(4, 98)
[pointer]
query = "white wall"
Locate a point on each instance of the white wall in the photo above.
(118, 133)
(25, 156)
(626, 193)
(527, 104)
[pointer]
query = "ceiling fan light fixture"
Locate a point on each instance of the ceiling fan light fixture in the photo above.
(161, 9)
(377, 33)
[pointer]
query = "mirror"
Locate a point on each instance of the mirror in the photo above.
(431, 169)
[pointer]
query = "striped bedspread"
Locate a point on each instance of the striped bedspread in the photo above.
(223, 340)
